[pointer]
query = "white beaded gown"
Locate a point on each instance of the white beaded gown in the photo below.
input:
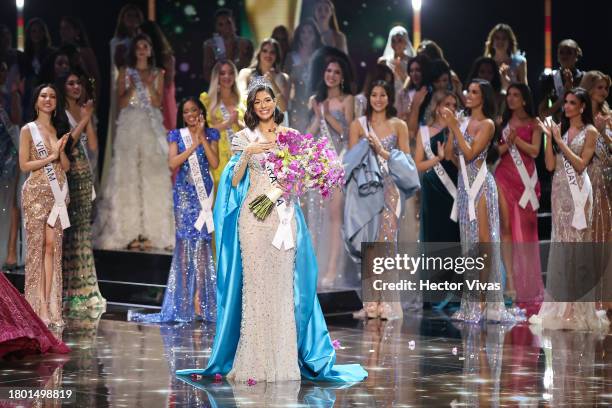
(267, 349)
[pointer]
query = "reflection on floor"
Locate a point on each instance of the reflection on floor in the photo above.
(424, 360)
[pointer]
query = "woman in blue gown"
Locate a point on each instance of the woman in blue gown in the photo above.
(191, 284)
(270, 326)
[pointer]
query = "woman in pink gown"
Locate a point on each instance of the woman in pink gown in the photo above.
(21, 330)
(519, 192)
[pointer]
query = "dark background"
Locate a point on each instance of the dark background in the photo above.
(459, 27)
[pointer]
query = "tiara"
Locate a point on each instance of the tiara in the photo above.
(258, 81)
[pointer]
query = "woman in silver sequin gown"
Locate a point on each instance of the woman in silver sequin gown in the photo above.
(384, 133)
(571, 279)
(136, 206)
(332, 108)
(467, 146)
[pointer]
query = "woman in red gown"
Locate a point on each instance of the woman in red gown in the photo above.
(21, 330)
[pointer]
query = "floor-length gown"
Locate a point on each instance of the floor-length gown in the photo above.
(268, 322)
(37, 201)
(21, 330)
(298, 70)
(9, 175)
(318, 213)
(136, 198)
(568, 264)
(270, 326)
(192, 282)
(221, 114)
(80, 281)
(600, 173)
(436, 201)
(526, 270)
(469, 234)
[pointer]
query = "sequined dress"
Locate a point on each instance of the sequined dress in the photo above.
(191, 289)
(136, 197)
(566, 261)
(37, 201)
(468, 232)
(267, 349)
(81, 290)
(21, 330)
(319, 212)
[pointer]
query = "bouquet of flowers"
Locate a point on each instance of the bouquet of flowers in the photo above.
(300, 164)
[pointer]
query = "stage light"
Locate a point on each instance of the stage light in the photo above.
(416, 23)
(547, 35)
(20, 24)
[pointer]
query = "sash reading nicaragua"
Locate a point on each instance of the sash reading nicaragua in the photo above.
(440, 172)
(205, 216)
(145, 101)
(363, 121)
(529, 182)
(472, 191)
(580, 196)
(59, 194)
(83, 141)
(283, 235)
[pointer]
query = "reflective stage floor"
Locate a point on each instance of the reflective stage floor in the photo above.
(422, 361)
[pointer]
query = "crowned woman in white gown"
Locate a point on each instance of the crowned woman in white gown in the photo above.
(136, 206)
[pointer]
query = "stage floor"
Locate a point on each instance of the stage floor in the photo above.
(422, 361)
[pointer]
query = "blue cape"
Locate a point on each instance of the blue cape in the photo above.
(315, 351)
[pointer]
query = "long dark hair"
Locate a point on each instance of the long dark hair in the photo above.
(59, 120)
(526, 95)
(347, 79)
(29, 45)
(120, 29)
(161, 47)
(424, 63)
(131, 57)
(297, 35)
(251, 120)
(180, 122)
(278, 62)
(390, 110)
(82, 39)
(587, 113)
(488, 98)
(495, 82)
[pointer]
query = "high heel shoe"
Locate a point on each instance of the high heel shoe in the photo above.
(370, 311)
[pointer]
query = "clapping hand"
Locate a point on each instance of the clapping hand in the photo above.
(374, 142)
(58, 147)
(511, 136)
(568, 79)
(419, 96)
(87, 109)
(448, 117)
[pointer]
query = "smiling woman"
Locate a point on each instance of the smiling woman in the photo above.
(264, 333)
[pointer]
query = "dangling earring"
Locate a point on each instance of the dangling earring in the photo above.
(36, 111)
(54, 112)
(581, 110)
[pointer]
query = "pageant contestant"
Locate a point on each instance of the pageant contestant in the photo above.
(44, 198)
(597, 84)
(379, 132)
(135, 209)
(571, 204)
(225, 112)
(477, 203)
(21, 330)
(264, 332)
(438, 185)
(192, 282)
(81, 290)
(332, 111)
(519, 192)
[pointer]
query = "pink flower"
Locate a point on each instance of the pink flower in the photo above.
(218, 377)
(336, 344)
(251, 382)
